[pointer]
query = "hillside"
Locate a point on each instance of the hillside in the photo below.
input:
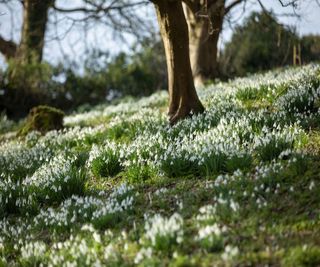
(236, 186)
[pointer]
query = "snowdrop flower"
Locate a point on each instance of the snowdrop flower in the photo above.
(143, 254)
(209, 230)
(229, 253)
(33, 250)
(109, 252)
(312, 185)
(96, 237)
(159, 226)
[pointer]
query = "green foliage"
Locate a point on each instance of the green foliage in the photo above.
(64, 185)
(124, 131)
(139, 173)
(15, 200)
(273, 149)
(252, 93)
(138, 73)
(141, 73)
(35, 77)
(261, 43)
(212, 243)
(6, 125)
(107, 220)
(305, 256)
(175, 167)
(107, 164)
(310, 48)
(212, 164)
(243, 162)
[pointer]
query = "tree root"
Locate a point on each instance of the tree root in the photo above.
(185, 112)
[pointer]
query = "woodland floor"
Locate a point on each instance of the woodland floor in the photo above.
(236, 186)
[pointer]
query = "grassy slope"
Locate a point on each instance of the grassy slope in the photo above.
(237, 186)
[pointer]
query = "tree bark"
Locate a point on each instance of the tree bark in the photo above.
(183, 98)
(204, 36)
(35, 16)
(7, 48)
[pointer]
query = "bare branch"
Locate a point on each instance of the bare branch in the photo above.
(232, 5)
(294, 14)
(292, 3)
(99, 8)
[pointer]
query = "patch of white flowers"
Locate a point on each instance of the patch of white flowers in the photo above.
(209, 231)
(143, 254)
(125, 108)
(227, 134)
(206, 213)
(113, 149)
(33, 250)
(230, 253)
(86, 209)
(75, 251)
(160, 228)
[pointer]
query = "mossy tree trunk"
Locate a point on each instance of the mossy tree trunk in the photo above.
(35, 17)
(30, 49)
(183, 98)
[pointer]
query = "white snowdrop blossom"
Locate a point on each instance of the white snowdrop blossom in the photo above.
(33, 250)
(143, 254)
(229, 253)
(209, 230)
(159, 227)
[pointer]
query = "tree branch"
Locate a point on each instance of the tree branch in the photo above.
(232, 5)
(99, 8)
(268, 12)
(292, 3)
(7, 48)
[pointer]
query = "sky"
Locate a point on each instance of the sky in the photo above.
(72, 44)
(308, 23)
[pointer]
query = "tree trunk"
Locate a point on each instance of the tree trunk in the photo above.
(204, 36)
(183, 98)
(35, 16)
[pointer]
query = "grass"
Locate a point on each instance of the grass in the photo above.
(236, 186)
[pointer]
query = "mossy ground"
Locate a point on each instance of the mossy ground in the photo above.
(42, 119)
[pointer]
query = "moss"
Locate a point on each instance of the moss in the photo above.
(42, 119)
(313, 146)
(303, 256)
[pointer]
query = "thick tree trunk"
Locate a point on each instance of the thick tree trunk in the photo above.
(174, 31)
(204, 36)
(35, 16)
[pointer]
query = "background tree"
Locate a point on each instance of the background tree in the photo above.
(261, 43)
(35, 17)
(36, 82)
(141, 72)
(310, 48)
(118, 15)
(183, 98)
(205, 20)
